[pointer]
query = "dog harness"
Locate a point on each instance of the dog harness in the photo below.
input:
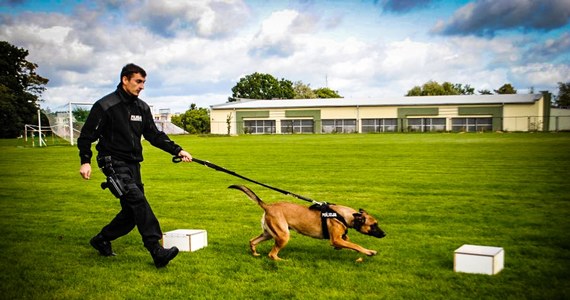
(328, 213)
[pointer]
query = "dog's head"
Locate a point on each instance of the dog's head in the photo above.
(366, 224)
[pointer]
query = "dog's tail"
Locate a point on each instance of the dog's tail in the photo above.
(249, 193)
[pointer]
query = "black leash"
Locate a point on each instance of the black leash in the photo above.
(208, 164)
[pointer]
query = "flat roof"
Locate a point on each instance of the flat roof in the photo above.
(388, 101)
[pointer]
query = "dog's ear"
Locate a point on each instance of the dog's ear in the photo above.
(359, 220)
(362, 211)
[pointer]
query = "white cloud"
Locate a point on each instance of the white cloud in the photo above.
(274, 37)
(195, 51)
(541, 75)
(189, 18)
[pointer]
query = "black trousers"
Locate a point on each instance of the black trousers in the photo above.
(135, 209)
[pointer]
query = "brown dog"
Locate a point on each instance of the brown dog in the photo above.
(282, 216)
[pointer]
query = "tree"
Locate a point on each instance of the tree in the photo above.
(195, 120)
(229, 122)
(20, 90)
(262, 86)
(485, 92)
(507, 88)
(325, 92)
(415, 91)
(80, 114)
(433, 88)
(449, 89)
(563, 98)
(303, 91)
(464, 89)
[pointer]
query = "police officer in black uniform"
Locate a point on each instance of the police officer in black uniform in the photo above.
(118, 121)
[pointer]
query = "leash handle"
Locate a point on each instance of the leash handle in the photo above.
(177, 159)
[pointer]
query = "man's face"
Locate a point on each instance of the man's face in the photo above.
(134, 85)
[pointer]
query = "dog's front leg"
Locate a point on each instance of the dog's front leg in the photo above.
(337, 240)
(344, 237)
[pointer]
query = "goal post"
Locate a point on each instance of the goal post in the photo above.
(34, 132)
(76, 121)
(64, 124)
(73, 130)
(67, 120)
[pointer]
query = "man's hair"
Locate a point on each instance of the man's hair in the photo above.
(131, 69)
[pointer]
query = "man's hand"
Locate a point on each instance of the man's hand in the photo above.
(85, 171)
(186, 157)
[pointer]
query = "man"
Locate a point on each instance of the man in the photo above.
(118, 121)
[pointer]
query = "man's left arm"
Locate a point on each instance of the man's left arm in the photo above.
(160, 140)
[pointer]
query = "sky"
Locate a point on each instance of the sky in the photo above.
(195, 51)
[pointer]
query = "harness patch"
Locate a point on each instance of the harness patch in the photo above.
(136, 118)
(328, 213)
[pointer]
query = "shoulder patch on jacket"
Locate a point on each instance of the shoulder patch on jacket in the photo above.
(109, 101)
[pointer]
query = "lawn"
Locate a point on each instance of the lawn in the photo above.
(431, 193)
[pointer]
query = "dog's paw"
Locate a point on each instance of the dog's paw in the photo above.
(275, 258)
(371, 253)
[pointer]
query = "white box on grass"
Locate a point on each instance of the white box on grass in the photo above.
(478, 259)
(185, 239)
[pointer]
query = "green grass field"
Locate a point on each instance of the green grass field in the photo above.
(431, 192)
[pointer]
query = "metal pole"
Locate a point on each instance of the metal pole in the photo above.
(40, 139)
(39, 128)
(70, 125)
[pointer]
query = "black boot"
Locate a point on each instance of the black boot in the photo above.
(163, 256)
(103, 246)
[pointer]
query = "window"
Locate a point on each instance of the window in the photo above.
(339, 126)
(379, 125)
(472, 124)
(259, 126)
(426, 124)
(297, 126)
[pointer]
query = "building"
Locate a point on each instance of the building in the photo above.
(468, 113)
(163, 121)
(560, 119)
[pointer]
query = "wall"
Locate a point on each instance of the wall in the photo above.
(521, 117)
(507, 117)
(218, 121)
(559, 119)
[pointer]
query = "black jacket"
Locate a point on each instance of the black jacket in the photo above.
(118, 121)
